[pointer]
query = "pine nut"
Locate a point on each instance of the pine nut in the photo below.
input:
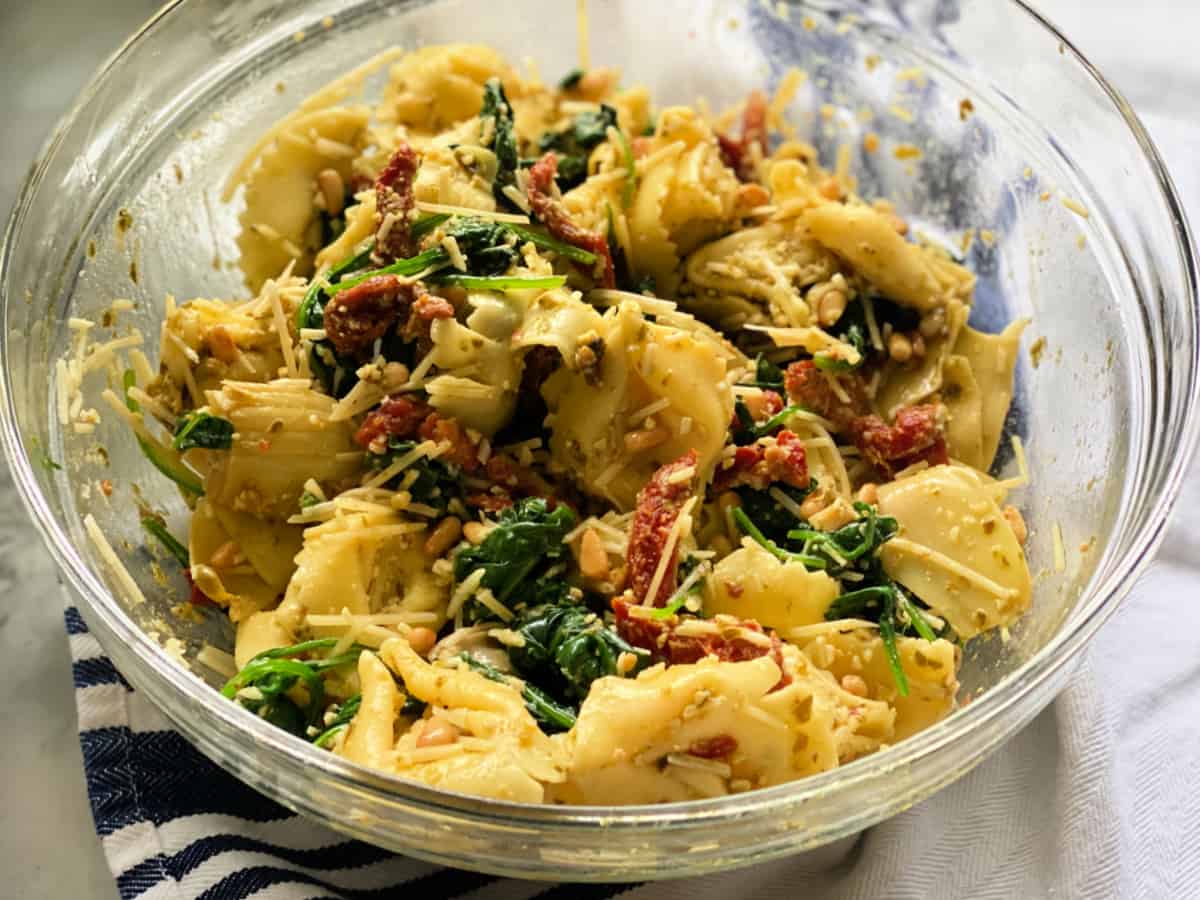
(831, 307)
(437, 733)
(421, 639)
(869, 493)
(933, 323)
(445, 536)
(593, 558)
(333, 191)
(475, 532)
(751, 195)
(900, 348)
(814, 503)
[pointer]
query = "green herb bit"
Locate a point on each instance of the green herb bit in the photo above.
(914, 615)
(859, 604)
(527, 537)
(273, 673)
(163, 458)
(554, 716)
(502, 282)
(767, 375)
(488, 246)
(571, 79)
(428, 223)
(435, 256)
(750, 529)
(546, 242)
(574, 143)
(631, 178)
(307, 499)
(157, 530)
(504, 142)
(49, 464)
(203, 430)
(341, 721)
(887, 631)
(566, 647)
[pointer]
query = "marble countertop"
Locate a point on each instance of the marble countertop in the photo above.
(47, 51)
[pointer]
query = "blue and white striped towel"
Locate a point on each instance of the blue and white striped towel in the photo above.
(1095, 799)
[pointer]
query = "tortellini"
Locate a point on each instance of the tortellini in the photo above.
(364, 563)
(435, 87)
(903, 385)
(242, 588)
(992, 358)
(637, 740)
(481, 372)
(757, 275)
(753, 584)
(858, 654)
(279, 223)
(641, 365)
(499, 751)
(283, 436)
(904, 272)
(687, 196)
(955, 550)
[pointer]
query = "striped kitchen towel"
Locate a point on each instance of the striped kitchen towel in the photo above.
(1055, 813)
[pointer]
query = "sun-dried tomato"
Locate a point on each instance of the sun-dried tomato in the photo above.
(394, 417)
(736, 152)
(359, 316)
(489, 501)
(810, 387)
(915, 436)
(716, 747)
(394, 202)
(727, 641)
(463, 452)
(760, 465)
(658, 505)
(429, 307)
(551, 213)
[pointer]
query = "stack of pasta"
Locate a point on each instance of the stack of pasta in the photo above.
(576, 450)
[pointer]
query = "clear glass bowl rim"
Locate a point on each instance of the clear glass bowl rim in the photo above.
(1101, 601)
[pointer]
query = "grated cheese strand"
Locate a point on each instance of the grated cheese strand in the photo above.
(109, 555)
(904, 545)
(669, 547)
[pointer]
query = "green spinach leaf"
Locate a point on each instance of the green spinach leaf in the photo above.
(203, 430)
(526, 541)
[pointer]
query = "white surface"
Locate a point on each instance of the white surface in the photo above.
(1144, 667)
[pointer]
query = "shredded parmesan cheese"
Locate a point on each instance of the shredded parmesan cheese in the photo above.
(467, 211)
(1060, 553)
(464, 592)
(904, 545)
(581, 29)
(383, 476)
(684, 519)
(109, 555)
(218, 660)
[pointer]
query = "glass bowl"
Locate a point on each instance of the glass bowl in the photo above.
(1074, 224)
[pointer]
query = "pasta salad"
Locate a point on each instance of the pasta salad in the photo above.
(571, 449)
